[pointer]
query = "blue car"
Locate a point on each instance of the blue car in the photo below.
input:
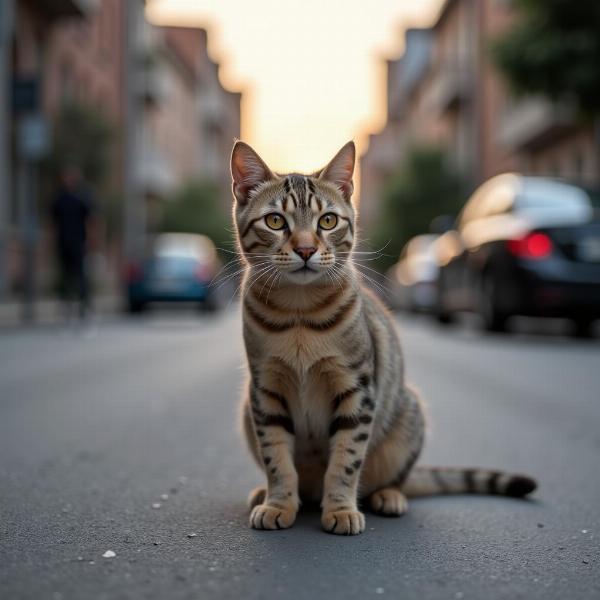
(180, 268)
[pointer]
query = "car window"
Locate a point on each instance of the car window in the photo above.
(189, 246)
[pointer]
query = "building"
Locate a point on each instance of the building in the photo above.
(446, 91)
(219, 126)
(387, 148)
(190, 119)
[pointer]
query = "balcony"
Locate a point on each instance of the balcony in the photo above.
(531, 122)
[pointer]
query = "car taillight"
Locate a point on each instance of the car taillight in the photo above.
(534, 246)
(133, 272)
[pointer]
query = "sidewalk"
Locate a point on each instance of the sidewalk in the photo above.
(48, 311)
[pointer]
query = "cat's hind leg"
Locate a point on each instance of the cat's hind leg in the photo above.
(388, 502)
(391, 459)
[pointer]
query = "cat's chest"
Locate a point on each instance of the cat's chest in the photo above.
(311, 412)
(301, 348)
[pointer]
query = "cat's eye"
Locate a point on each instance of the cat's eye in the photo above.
(275, 221)
(328, 221)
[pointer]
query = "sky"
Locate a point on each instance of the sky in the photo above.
(312, 71)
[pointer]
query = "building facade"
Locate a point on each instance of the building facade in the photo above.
(190, 119)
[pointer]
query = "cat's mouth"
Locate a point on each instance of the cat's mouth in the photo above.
(305, 269)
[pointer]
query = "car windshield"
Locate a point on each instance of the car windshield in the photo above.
(184, 246)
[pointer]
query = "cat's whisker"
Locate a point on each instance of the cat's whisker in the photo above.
(235, 263)
(336, 273)
(277, 277)
(263, 272)
(361, 266)
(250, 283)
(375, 284)
(274, 274)
(223, 280)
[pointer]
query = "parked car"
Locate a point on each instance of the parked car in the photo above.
(526, 246)
(412, 280)
(180, 268)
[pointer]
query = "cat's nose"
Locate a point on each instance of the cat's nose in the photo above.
(305, 252)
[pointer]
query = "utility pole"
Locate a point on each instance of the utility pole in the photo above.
(134, 213)
(6, 35)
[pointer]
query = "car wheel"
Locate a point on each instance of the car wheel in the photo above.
(210, 304)
(583, 328)
(136, 307)
(492, 317)
(442, 314)
(443, 317)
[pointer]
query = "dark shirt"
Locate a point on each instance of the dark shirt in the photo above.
(71, 210)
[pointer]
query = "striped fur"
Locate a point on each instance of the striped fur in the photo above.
(327, 413)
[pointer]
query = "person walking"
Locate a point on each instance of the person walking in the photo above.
(73, 215)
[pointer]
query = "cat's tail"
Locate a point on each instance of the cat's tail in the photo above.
(429, 481)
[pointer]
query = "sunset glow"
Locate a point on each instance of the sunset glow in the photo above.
(312, 71)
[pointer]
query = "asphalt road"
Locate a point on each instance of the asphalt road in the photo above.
(95, 429)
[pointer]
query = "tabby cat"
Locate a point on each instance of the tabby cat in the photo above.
(327, 414)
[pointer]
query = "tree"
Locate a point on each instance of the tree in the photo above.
(554, 50)
(424, 187)
(196, 208)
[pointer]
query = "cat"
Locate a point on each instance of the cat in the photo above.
(327, 414)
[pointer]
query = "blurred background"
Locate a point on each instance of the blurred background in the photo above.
(117, 119)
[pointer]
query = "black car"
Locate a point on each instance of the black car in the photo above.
(522, 246)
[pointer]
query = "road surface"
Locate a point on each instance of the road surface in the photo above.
(127, 441)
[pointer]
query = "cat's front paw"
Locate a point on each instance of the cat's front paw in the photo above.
(264, 516)
(343, 522)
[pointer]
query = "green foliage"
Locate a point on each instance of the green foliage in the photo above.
(197, 208)
(82, 137)
(423, 188)
(554, 50)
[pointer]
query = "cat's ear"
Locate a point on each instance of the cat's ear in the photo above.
(340, 170)
(248, 171)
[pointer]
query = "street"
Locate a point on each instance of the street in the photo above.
(127, 440)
